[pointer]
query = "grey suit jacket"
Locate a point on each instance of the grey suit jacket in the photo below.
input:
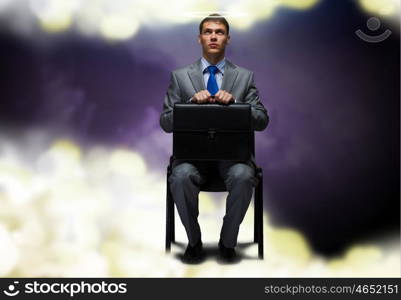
(187, 81)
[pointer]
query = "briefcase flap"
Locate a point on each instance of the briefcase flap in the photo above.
(206, 117)
(212, 132)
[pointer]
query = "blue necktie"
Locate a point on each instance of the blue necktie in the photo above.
(212, 86)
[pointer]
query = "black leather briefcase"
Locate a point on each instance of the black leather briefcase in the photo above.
(212, 132)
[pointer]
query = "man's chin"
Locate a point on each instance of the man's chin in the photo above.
(214, 51)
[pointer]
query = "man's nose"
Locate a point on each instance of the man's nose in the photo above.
(213, 37)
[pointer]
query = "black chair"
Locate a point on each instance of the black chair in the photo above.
(214, 183)
(217, 185)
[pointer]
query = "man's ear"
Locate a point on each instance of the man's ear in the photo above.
(199, 39)
(228, 39)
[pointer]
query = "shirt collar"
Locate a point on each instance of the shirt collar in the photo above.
(220, 65)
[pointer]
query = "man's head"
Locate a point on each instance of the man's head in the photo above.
(214, 35)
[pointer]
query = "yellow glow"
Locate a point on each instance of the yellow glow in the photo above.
(192, 11)
(54, 15)
(357, 259)
(67, 150)
(62, 160)
(121, 19)
(56, 23)
(359, 255)
(127, 163)
(207, 203)
(88, 17)
(102, 213)
(381, 7)
(115, 27)
(289, 242)
(299, 4)
(258, 10)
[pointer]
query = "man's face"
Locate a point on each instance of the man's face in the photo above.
(213, 38)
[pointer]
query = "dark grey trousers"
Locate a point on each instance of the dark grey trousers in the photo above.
(185, 182)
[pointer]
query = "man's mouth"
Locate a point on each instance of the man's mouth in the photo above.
(213, 45)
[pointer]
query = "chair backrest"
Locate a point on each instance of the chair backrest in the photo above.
(213, 132)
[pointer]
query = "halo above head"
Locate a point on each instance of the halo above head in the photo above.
(204, 14)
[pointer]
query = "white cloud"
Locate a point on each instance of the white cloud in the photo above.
(106, 207)
(121, 19)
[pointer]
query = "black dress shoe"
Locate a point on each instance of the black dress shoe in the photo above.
(194, 253)
(227, 254)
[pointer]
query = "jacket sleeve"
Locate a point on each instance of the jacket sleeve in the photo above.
(172, 96)
(260, 118)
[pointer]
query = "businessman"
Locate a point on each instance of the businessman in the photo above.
(212, 79)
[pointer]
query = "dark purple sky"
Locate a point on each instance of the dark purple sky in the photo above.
(330, 154)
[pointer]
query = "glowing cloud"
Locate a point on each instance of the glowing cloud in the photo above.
(121, 19)
(100, 212)
(258, 10)
(54, 15)
(381, 7)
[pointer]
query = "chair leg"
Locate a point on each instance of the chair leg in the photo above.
(172, 219)
(170, 224)
(168, 221)
(255, 216)
(258, 234)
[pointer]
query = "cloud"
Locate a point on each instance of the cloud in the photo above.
(384, 9)
(121, 19)
(105, 206)
(381, 7)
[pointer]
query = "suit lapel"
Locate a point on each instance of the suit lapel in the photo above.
(196, 76)
(230, 75)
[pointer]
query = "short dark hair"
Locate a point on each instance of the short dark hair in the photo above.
(214, 18)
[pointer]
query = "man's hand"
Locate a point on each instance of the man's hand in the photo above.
(202, 97)
(223, 97)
